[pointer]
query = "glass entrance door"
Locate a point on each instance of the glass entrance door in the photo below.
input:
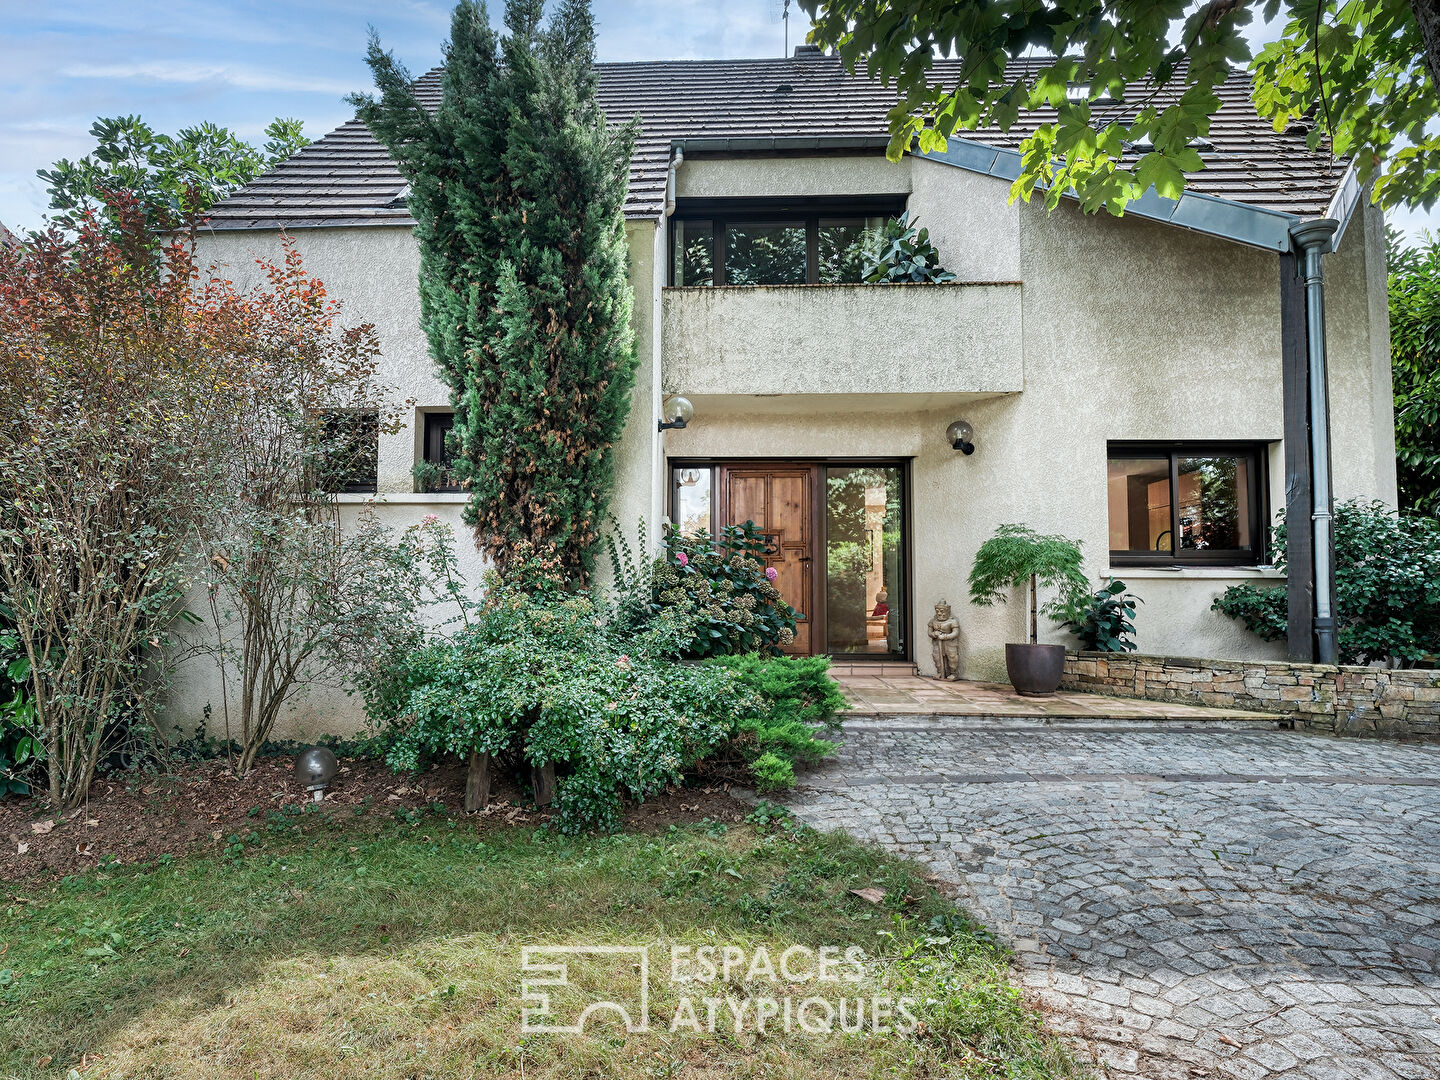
(837, 542)
(864, 561)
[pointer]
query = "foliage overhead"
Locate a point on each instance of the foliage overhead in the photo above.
(518, 187)
(174, 178)
(1387, 588)
(1414, 287)
(1359, 74)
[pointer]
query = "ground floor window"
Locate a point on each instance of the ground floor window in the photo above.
(837, 537)
(350, 454)
(1186, 503)
(434, 473)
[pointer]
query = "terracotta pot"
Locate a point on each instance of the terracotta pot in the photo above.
(1035, 670)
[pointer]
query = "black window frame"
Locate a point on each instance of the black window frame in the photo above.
(360, 475)
(1258, 512)
(810, 211)
(434, 448)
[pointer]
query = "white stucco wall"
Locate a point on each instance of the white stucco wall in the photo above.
(1130, 330)
(1126, 329)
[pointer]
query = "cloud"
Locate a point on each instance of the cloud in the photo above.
(239, 77)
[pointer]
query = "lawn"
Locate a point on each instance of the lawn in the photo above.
(369, 945)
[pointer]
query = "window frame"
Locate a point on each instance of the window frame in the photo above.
(1258, 512)
(806, 211)
(363, 481)
(438, 423)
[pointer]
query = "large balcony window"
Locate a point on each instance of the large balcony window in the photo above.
(814, 242)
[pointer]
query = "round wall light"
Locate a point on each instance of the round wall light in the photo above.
(677, 412)
(961, 436)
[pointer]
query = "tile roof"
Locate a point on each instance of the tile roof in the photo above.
(347, 178)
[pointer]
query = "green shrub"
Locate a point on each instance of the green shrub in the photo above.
(722, 587)
(1387, 588)
(19, 749)
(544, 676)
(1104, 621)
(772, 773)
(796, 699)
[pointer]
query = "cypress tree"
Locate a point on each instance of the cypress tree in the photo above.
(518, 188)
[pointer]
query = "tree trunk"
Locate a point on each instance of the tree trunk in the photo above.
(1034, 612)
(477, 783)
(542, 780)
(1427, 17)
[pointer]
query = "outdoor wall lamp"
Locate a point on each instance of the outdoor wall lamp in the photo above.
(676, 412)
(961, 436)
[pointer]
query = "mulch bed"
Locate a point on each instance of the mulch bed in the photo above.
(138, 817)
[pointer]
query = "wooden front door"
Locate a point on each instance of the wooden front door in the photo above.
(781, 501)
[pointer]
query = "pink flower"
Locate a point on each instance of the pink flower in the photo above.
(682, 559)
(771, 573)
(623, 662)
(430, 519)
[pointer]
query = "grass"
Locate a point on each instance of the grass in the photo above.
(318, 947)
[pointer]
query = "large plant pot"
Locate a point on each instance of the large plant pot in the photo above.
(1035, 670)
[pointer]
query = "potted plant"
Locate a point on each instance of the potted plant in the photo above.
(1016, 557)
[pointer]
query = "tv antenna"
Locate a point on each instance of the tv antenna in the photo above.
(780, 12)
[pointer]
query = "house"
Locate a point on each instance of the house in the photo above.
(1122, 377)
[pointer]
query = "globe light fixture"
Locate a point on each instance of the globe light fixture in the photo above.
(677, 412)
(961, 436)
(315, 768)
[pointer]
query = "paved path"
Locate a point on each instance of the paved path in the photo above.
(896, 695)
(1219, 903)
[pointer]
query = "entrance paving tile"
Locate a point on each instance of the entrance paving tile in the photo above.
(1186, 903)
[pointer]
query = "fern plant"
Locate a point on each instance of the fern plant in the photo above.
(1017, 556)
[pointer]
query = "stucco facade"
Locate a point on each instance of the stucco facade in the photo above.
(1066, 333)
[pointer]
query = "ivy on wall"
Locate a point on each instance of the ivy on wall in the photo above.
(518, 188)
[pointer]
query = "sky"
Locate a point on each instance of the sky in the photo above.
(240, 64)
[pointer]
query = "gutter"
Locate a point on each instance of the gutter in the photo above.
(677, 158)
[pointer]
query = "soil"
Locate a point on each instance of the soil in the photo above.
(140, 816)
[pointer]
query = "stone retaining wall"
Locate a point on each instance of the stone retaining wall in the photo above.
(1345, 700)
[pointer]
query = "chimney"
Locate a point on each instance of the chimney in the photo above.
(803, 51)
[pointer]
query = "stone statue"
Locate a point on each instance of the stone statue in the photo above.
(944, 632)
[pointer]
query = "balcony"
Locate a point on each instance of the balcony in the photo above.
(958, 339)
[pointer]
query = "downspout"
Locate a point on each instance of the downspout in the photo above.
(1314, 238)
(676, 160)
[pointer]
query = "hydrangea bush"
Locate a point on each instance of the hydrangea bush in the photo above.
(724, 582)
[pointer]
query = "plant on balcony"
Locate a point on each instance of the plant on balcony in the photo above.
(905, 254)
(1017, 557)
(518, 185)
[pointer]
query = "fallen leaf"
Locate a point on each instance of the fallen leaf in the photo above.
(40, 828)
(44, 1061)
(1227, 1040)
(871, 894)
(21, 848)
(91, 822)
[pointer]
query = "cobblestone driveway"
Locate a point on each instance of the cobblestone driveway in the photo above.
(1236, 903)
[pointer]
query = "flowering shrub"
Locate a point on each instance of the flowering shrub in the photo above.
(723, 585)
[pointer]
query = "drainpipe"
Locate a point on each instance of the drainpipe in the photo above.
(676, 160)
(1314, 238)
